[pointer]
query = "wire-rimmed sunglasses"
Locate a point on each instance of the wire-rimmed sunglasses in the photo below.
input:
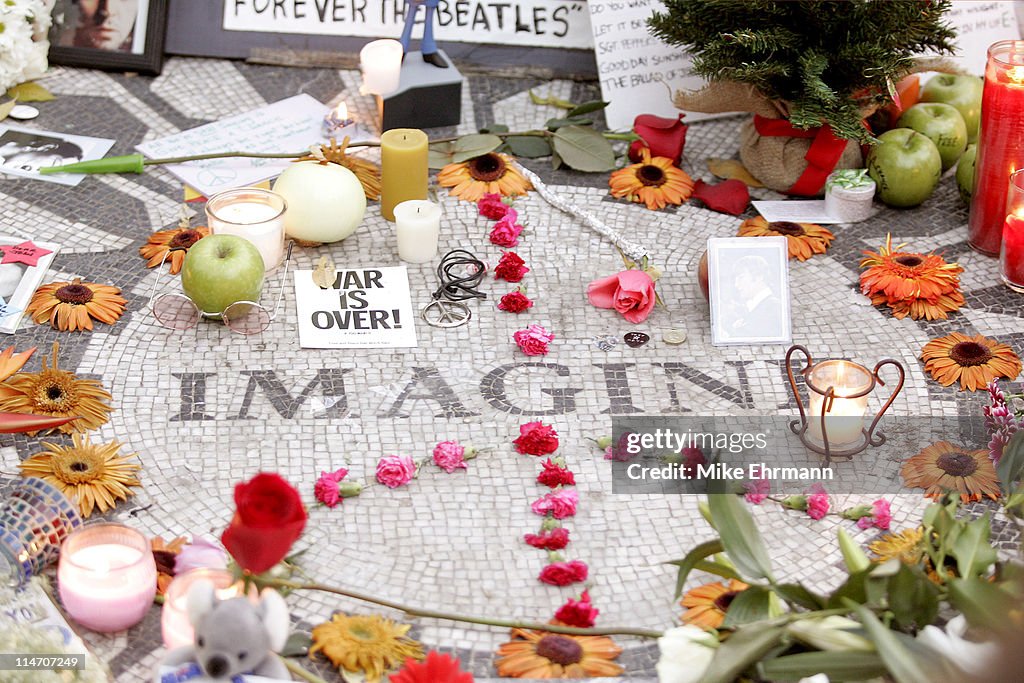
(176, 311)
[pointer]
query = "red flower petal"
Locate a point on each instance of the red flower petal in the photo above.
(729, 196)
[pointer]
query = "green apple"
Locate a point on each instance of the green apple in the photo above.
(220, 270)
(943, 124)
(905, 165)
(965, 173)
(960, 91)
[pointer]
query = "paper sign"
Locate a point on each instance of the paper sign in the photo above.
(364, 308)
(291, 125)
(639, 73)
(977, 26)
(796, 211)
(537, 23)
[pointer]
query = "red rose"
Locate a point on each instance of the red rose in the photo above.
(515, 302)
(664, 137)
(630, 292)
(506, 231)
(510, 267)
(536, 438)
(556, 539)
(579, 613)
(555, 475)
(491, 206)
(269, 517)
(563, 573)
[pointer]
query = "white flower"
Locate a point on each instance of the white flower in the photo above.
(971, 657)
(686, 653)
(816, 678)
(23, 44)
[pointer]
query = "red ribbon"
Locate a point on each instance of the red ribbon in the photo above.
(822, 156)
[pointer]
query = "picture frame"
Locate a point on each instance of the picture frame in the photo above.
(19, 280)
(748, 280)
(113, 35)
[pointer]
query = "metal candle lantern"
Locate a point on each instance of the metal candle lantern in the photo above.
(833, 423)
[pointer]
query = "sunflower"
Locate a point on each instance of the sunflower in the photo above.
(371, 644)
(708, 604)
(57, 393)
(11, 362)
(490, 173)
(367, 172)
(944, 467)
(974, 361)
(654, 182)
(906, 546)
(918, 285)
(161, 242)
(804, 240)
(93, 475)
(72, 305)
(537, 654)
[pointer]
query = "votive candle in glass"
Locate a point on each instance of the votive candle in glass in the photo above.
(1011, 256)
(381, 64)
(255, 214)
(1000, 144)
(106, 576)
(844, 410)
(174, 622)
(403, 168)
(417, 225)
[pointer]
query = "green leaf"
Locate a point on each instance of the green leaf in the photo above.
(739, 534)
(718, 569)
(913, 598)
(438, 160)
(528, 146)
(753, 604)
(584, 149)
(495, 128)
(900, 662)
(838, 666)
(556, 160)
(744, 647)
(586, 108)
(796, 594)
(974, 554)
(30, 92)
(6, 107)
(853, 555)
(555, 124)
(471, 146)
(689, 562)
(984, 604)
(297, 645)
(1011, 464)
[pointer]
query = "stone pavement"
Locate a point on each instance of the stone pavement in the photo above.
(206, 408)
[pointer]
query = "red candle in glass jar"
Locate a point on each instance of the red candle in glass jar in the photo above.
(1012, 255)
(1000, 144)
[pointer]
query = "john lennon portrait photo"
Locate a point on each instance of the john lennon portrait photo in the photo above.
(113, 25)
(749, 290)
(28, 152)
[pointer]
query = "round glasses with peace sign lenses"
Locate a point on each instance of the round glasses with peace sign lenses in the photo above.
(176, 311)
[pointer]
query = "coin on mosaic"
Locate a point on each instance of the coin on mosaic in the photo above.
(635, 340)
(605, 343)
(674, 336)
(23, 112)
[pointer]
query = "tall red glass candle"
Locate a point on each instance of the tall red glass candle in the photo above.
(1000, 144)
(1011, 256)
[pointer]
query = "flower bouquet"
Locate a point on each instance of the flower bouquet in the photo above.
(23, 43)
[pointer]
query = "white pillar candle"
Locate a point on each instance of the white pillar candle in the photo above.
(844, 419)
(174, 623)
(255, 214)
(381, 64)
(418, 225)
(106, 577)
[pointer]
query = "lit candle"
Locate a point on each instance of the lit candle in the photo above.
(106, 577)
(417, 224)
(255, 214)
(1011, 256)
(174, 623)
(844, 414)
(337, 123)
(1000, 143)
(381, 64)
(403, 168)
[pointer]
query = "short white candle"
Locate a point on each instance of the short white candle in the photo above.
(255, 214)
(844, 420)
(418, 225)
(381, 64)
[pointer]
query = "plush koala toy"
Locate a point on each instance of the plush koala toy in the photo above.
(234, 636)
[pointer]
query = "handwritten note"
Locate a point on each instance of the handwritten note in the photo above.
(290, 125)
(639, 73)
(978, 25)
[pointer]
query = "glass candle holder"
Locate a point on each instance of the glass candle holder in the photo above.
(1000, 144)
(255, 214)
(1011, 255)
(35, 519)
(838, 390)
(106, 577)
(174, 622)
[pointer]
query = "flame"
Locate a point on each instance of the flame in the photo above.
(1016, 74)
(341, 111)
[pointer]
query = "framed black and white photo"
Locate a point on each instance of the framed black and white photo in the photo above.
(23, 151)
(117, 35)
(23, 263)
(748, 279)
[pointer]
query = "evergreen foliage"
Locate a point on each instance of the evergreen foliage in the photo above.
(824, 60)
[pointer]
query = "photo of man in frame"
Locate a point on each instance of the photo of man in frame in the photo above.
(749, 291)
(97, 24)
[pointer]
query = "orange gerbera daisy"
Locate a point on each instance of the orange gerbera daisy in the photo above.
(162, 241)
(974, 361)
(708, 604)
(537, 654)
(73, 305)
(164, 555)
(918, 285)
(490, 173)
(944, 467)
(654, 182)
(803, 239)
(11, 362)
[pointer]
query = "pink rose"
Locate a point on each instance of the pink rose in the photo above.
(395, 470)
(449, 456)
(559, 504)
(533, 340)
(491, 206)
(556, 539)
(563, 573)
(506, 231)
(879, 518)
(663, 136)
(326, 487)
(630, 292)
(817, 502)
